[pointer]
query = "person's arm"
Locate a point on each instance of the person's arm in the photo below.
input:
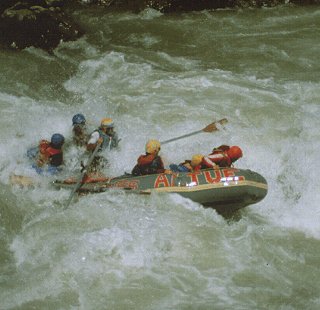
(160, 166)
(92, 143)
(42, 159)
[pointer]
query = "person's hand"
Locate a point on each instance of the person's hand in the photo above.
(216, 167)
(167, 171)
(42, 160)
(91, 147)
(100, 140)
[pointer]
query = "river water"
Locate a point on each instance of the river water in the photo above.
(159, 77)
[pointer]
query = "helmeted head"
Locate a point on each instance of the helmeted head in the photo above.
(153, 146)
(106, 123)
(234, 153)
(196, 160)
(57, 140)
(78, 119)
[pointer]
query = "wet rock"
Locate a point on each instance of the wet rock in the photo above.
(259, 3)
(169, 6)
(305, 2)
(38, 23)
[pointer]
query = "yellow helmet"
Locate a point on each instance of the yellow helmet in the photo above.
(107, 123)
(153, 146)
(196, 160)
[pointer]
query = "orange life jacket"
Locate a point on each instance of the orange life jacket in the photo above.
(148, 164)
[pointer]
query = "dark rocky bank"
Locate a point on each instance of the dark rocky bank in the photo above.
(45, 23)
(39, 23)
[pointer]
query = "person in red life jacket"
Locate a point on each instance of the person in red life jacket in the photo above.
(195, 164)
(48, 156)
(223, 156)
(151, 162)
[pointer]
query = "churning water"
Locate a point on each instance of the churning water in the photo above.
(159, 77)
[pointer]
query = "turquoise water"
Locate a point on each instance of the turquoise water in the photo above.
(159, 77)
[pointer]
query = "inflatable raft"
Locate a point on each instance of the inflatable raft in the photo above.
(225, 189)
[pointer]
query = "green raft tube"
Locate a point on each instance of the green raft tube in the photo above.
(224, 189)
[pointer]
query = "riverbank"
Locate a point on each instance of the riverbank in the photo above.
(46, 23)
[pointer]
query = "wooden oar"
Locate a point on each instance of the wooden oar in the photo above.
(209, 128)
(84, 171)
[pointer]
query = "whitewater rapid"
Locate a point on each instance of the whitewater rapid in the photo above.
(159, 77)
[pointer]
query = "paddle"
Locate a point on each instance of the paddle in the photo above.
(209, 128)
(84, 171)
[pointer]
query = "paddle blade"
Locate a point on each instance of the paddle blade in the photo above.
(213, 126)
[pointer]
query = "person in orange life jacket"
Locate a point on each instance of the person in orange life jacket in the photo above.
(48, 156)
(223, 156)
(79, 131)
(195, 164)
(151, 162)
(104, 138)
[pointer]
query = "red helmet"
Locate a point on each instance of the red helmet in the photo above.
(234, 153)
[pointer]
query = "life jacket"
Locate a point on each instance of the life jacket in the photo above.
(218, 157)
(148, 164)
(47, 154)
(108, 140)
